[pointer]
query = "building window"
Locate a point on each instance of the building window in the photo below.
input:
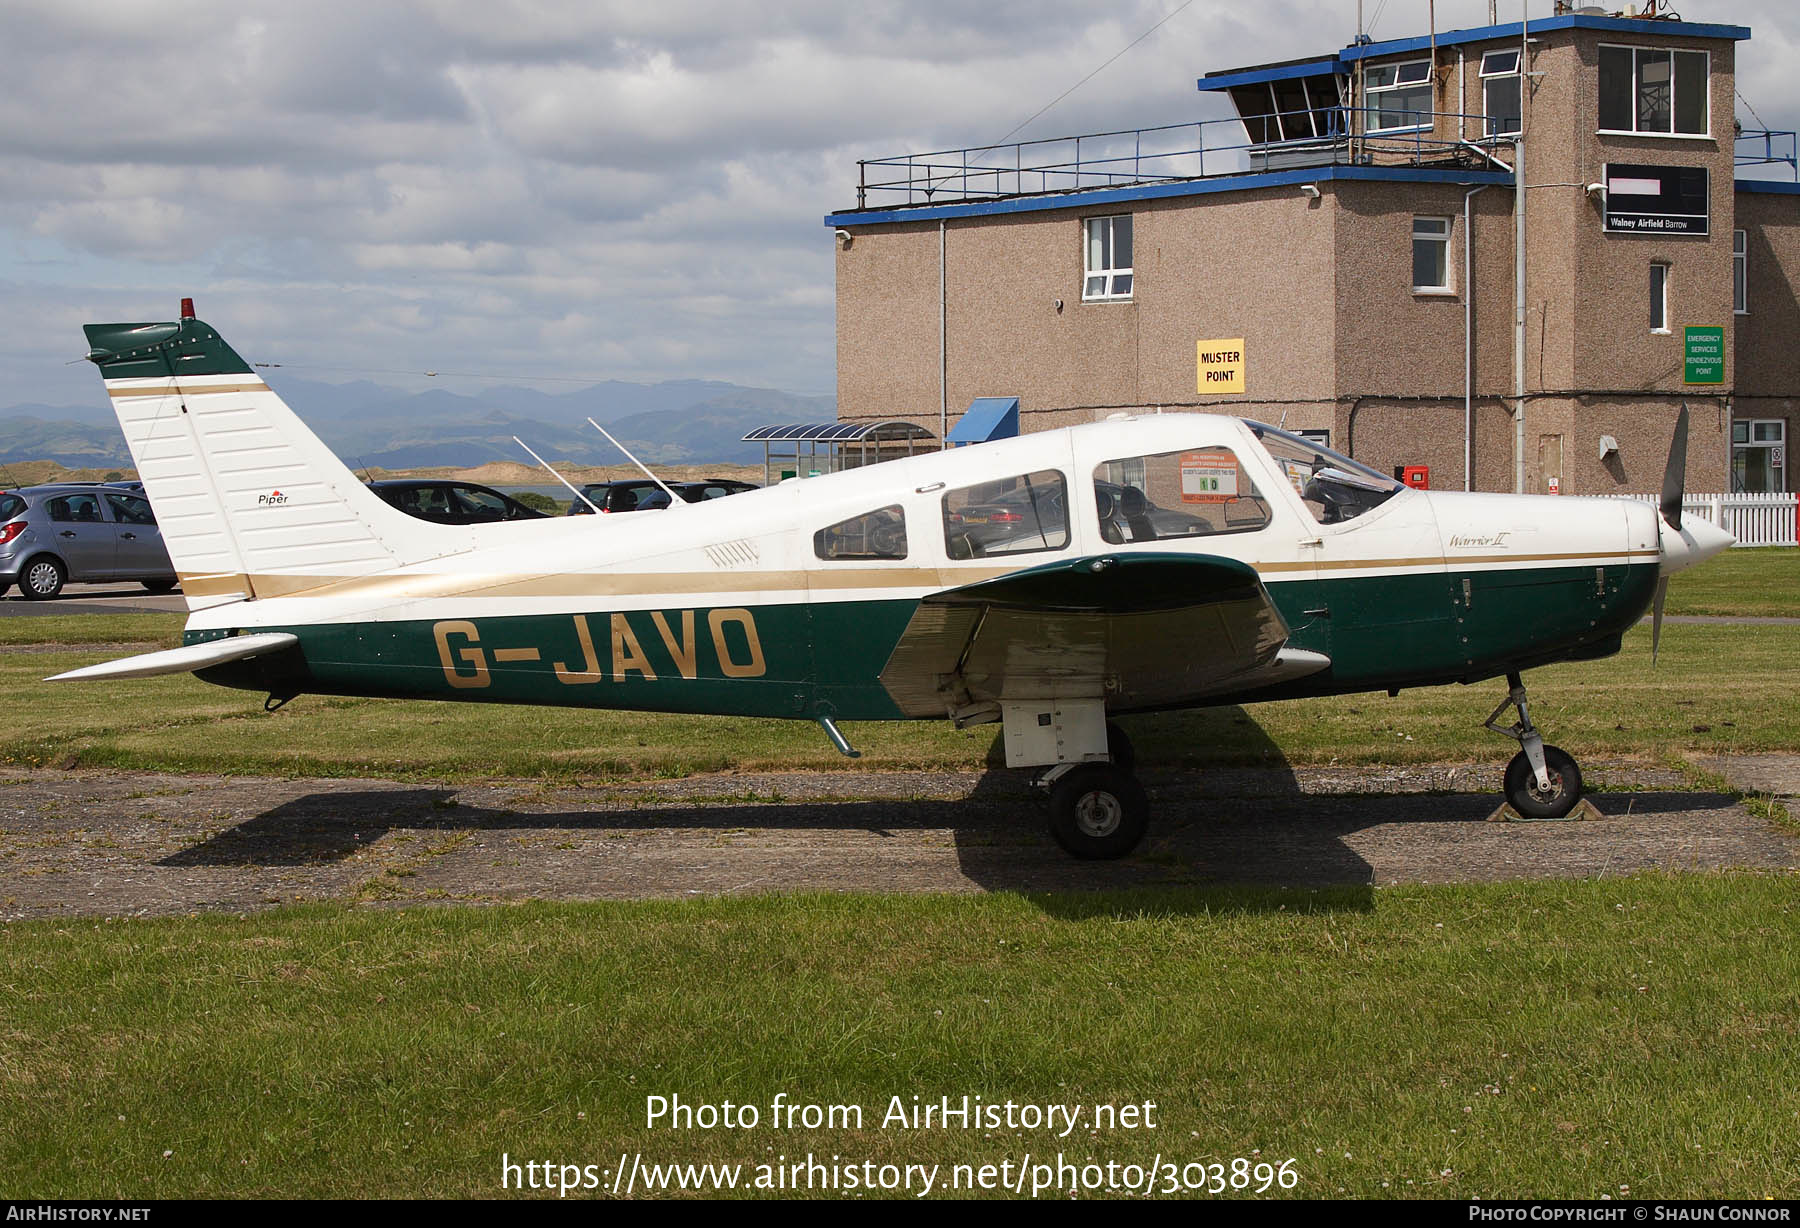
(1397, 96)
(1653, 90)
(1500, 101)
(1759, 457)
(1108, 263)
(1659, 298)
(1740, 272)
(1431, 255)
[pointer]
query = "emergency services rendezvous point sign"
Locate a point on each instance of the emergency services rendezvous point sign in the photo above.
(1220, 365)
(1704, 353)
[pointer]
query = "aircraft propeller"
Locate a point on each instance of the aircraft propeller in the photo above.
(1673, 489)
(1681, 547)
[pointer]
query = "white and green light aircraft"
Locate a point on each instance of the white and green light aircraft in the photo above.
(1047, 583)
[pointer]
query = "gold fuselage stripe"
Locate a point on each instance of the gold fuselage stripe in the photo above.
(414, 586)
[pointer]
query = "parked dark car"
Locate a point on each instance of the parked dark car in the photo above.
(445, 502)
(82, 531)
(643, 495)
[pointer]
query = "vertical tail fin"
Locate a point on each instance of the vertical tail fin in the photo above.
(243, 491)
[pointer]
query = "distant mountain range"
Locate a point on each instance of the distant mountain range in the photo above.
(366, 424)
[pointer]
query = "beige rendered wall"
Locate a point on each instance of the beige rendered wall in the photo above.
(1251, 265)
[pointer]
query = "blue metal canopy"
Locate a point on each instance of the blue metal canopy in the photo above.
(987, 418)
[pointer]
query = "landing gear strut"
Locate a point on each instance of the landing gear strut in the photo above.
(1541, 782)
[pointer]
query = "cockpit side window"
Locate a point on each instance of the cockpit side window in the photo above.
(1333, 487)
(880, 534)
(1016, 515)
(1200, 492)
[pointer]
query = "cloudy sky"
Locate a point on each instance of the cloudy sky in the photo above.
(555, 188)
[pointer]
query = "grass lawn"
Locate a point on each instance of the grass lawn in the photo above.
(1560, 1039)
(1718, 689)
(1762, 583)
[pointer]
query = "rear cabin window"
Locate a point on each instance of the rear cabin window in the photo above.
(1016, 515)
(1198, 492)
(10, 506)
(880, 534)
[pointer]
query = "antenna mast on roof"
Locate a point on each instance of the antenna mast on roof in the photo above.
(559, 477)
(674, 499)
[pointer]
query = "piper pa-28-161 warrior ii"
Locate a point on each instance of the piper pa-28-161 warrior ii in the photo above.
(1045, 582)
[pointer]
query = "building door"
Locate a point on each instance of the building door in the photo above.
(1759, 456)
(1550, 464)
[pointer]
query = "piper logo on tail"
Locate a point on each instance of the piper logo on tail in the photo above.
(271, 499)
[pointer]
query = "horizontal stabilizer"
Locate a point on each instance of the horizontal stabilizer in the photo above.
(183, 660)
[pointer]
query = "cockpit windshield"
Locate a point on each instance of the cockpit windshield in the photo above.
(1334, 487)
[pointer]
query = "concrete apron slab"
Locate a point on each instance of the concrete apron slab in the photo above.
(103, 843)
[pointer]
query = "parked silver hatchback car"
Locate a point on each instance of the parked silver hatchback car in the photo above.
(85, 531)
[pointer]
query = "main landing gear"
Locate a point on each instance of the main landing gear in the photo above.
(1098, 811)
(1541, 782)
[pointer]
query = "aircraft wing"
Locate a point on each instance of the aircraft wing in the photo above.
(1139, 630)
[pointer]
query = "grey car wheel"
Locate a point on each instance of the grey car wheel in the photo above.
(42, 578)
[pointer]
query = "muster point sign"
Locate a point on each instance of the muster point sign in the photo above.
(1221, 365)
(1704, 350)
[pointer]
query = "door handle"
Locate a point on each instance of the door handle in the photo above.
(67, 533)
(130, 537)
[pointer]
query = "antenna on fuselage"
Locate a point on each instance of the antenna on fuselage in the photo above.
(674, 499)
(559, 477)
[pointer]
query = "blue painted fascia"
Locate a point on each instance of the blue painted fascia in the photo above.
(1571, 21)
(1091, 197)
(1280, 72)
(1771, 187)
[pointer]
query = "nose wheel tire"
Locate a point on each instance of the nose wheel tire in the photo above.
(1098, 812)
(1524, 795)
(43, 579)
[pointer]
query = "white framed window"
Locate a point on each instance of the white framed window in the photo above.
(1655, 91)
(1500, 92)
(1397, 97)
(1107, 262)
(1740, 272)
(1659, 298)
(1431, 255)
(1759, 456)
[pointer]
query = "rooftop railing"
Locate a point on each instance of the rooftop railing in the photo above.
(1206, 149)
(1202, 149)
(1767, 147)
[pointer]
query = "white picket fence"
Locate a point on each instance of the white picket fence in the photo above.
(1755, 520)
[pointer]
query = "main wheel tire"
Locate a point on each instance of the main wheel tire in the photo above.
(159, 587)
(42, 578)
(1523, 794)
(1098, 812)
(1124, 754)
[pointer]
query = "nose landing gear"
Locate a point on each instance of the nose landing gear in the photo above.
(1541, 782)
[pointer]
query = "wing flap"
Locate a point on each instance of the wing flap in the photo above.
(1138, 630)
(183, 660)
